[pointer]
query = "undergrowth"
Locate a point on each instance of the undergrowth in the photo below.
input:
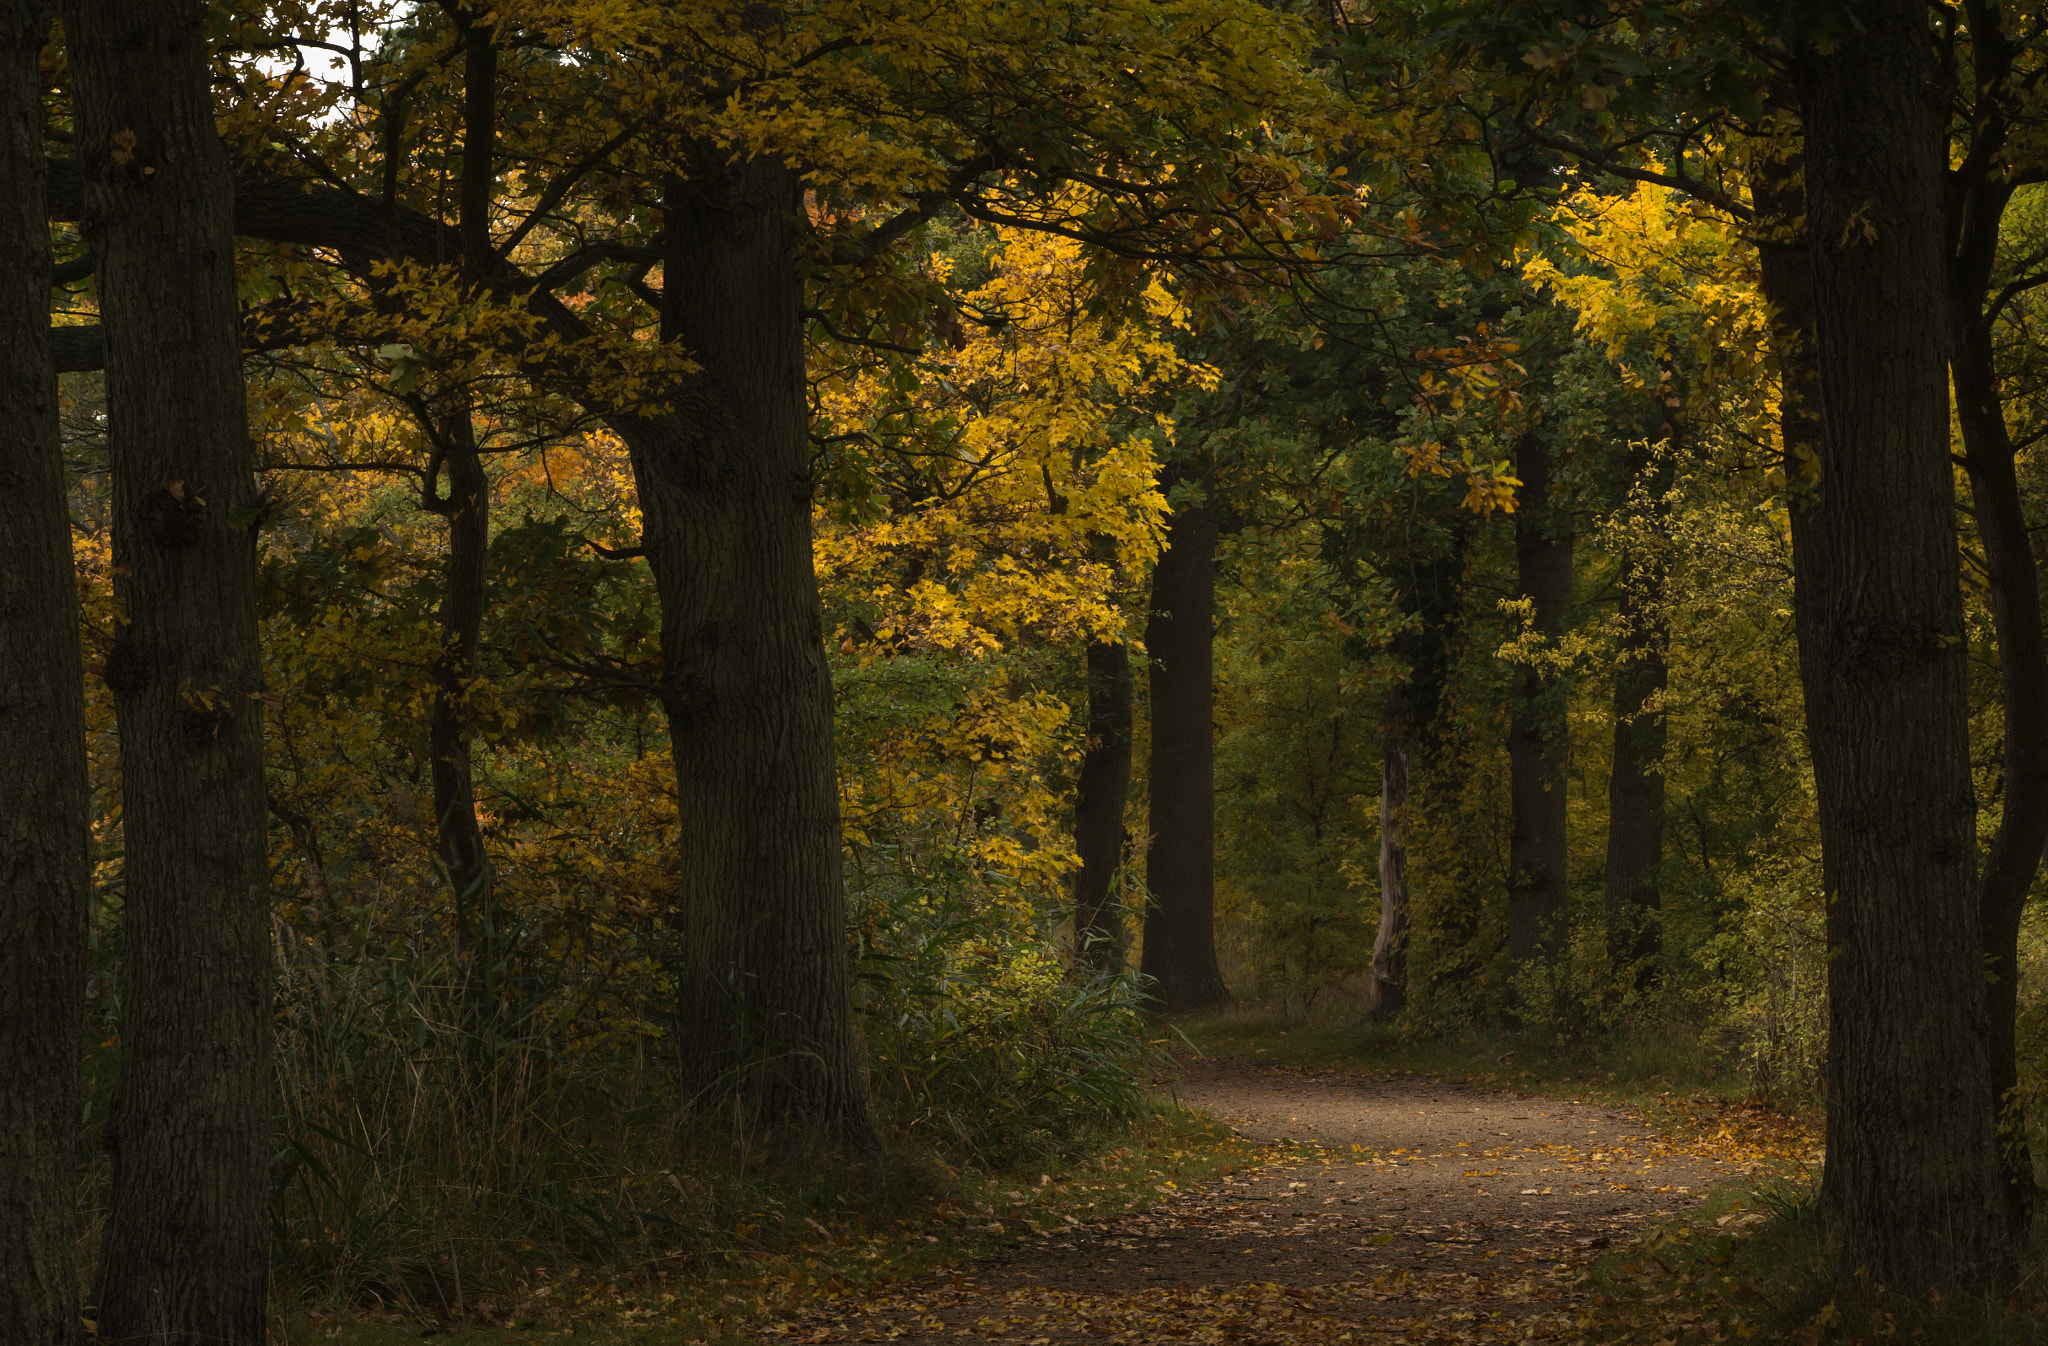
(1754, 1263)
(650, 1232)
(801, 1251)
(449, 1153)
(1645, 1068)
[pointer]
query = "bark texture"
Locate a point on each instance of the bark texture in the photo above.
(1635, 787)
(1390, 946)
(764, 989)
(1538, 742)
(1099, 799)
(1912, 1183)
(1180, 867)
(44, 857)
(184, 1259)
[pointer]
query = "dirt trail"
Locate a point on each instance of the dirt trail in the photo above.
(1385, 1207)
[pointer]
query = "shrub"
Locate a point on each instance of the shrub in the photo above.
(983, 1041)
(1779, 930)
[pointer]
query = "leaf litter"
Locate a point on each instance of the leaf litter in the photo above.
(1367, 1208)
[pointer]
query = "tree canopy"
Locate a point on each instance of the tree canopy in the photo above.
(786, 580)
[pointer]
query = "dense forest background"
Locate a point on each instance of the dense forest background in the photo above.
(806, 571)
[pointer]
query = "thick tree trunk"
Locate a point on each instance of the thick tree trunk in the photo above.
(1635, 788)
(1389, 991)
(1912, 1182)
(1180, 867)
(45, 871)
(1099, 798)
(185, 1256)
(1538, 742)
(1976, 213)
(764, 1014)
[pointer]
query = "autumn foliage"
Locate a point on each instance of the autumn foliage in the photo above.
(706, 455)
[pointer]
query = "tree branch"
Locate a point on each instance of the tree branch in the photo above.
(580, 261)
(1602, 161)
(561, 186)
(2012, 291)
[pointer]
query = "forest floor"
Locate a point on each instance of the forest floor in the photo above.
(1374, 1208)
(1329, 1200)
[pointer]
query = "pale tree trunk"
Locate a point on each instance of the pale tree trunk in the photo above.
(1538, 741)
(1912, 1183)
(1180, 866)
(1389, 990)
(764, 1014)
(185, 1256)
(44, 847)
(1099, 798)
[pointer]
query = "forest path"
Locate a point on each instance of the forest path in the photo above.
(1381, 1208)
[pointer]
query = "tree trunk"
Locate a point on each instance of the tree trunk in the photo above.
(1389, 991)
(2012, 858)
(2014, 855)
(1912, 1182)
(1099, 798)
(1430, 597)
(1538, 741)
(764, 1012)
(185, 1256)
(1180, 867)
(467, 507)
(45, 870)
(1635, 790)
